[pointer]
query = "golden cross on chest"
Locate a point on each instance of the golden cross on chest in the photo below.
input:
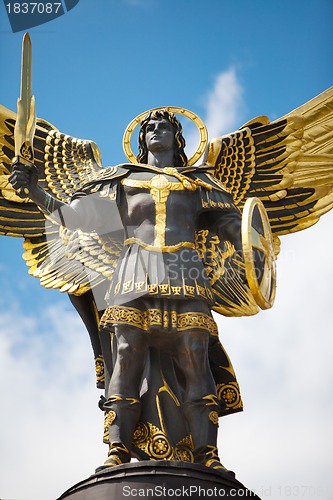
(160, 188)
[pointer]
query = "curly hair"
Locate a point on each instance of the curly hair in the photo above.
(180, 158)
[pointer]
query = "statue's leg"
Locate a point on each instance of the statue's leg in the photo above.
(123, 404)
(87, 309)
(200, 406)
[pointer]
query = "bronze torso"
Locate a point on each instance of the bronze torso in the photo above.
(158, 206)
(159, 214)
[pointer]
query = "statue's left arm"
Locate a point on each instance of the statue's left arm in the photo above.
(228, 227)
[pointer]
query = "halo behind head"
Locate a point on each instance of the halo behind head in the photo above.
(173, 110)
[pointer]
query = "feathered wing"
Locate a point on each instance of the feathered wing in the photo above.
(287, 163)
(64, 164)
(18, 217)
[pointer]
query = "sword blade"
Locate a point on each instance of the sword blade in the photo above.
(26, 75)
(26, 117)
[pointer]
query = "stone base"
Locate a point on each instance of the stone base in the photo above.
(160, 479)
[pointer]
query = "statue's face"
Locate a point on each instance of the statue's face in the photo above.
(160, 135)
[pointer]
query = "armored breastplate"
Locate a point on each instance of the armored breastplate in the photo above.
(168, 217)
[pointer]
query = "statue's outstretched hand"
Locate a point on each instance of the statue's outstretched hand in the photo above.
(23, 178)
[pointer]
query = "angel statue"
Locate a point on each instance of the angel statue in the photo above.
(164, 241)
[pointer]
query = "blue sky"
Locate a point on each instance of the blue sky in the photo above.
(94, 70)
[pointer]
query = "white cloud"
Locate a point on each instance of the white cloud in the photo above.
(51, 427)
(224, 107)
(224, 104)
(283, 361)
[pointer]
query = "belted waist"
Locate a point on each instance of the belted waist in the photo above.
(159, 248)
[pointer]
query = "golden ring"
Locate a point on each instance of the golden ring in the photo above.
(263, 291)
(172, 109)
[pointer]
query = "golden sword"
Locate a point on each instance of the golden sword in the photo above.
(25, 125)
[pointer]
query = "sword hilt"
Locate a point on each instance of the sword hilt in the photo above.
(26, 161)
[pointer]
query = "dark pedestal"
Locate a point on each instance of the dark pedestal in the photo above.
(159, 479)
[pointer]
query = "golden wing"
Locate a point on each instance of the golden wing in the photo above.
(287, 163)
(64, 164)
(18, 217)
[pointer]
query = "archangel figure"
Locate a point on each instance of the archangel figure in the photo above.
(165, 242)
